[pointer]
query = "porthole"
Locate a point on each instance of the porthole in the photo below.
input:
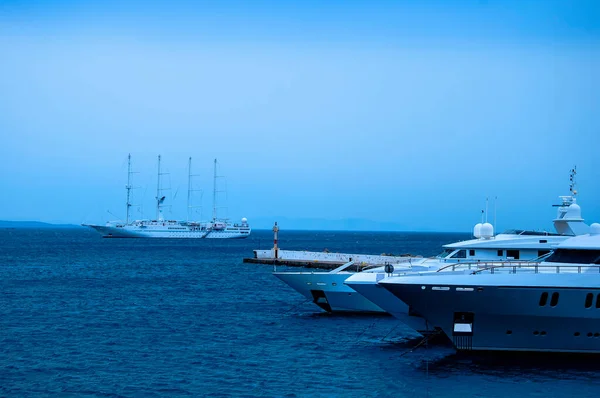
(509, 332)
(554, 299)
(576, 334)
(543, 333)
(588, 300)
(590, 334)
(596, 334)
(536, 333)
(543, 299)
(333, 284)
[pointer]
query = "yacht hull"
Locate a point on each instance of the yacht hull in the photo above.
(328, 291)
(366, 285)
(509, 316)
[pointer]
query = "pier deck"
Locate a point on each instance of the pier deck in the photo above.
(323, 260)
(303, 263)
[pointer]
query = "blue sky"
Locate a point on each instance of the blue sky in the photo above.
(404, 112)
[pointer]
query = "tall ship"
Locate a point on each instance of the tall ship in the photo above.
(216, 228)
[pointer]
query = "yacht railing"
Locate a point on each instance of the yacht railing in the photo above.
(540, 268)
(482, 265)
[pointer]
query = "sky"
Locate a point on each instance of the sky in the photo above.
(408, 114)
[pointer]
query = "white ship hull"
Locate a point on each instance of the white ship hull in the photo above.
(365, 283)
(328, 291)
(179, 231)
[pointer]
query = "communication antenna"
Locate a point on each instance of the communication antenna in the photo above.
(572, 182)
(486, 209)
(495, 206)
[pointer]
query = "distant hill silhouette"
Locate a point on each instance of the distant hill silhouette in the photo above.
(322, 224)
(34, 224)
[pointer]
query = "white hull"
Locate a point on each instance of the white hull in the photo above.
(365, 283)
(170, 231)
(328, 291)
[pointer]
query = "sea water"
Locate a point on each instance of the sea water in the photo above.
(85, 316)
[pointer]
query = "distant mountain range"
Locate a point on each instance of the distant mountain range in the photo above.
(34, 224)
(322, 224)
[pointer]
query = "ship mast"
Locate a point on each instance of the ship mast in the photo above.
(215, 192)
(158, 198)
(189, 188)
(128, 188)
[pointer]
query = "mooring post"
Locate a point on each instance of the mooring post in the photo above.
(275, 236)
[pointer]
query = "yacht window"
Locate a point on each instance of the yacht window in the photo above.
(554, 299)
(543, 299)
(472, 252)
(543, 252)
(588, 300)
(500, 253)
(574, 256)
(598, 301)
(513, 253)
(445, 253)
(460, 254)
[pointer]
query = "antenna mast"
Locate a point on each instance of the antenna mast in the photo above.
(495, 206)
(572, 182)
(486, 208)
(128, 188)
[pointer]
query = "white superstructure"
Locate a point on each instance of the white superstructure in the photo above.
(217, 228)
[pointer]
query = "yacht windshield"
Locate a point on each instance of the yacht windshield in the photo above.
(575, 256)
(445, 253)
(529, 233)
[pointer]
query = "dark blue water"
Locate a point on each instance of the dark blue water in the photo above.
(86, 316)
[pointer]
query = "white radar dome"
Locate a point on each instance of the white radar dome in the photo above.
(573, 211)
(244, 220)
(477, 230)
(595, 229)
(487, 230)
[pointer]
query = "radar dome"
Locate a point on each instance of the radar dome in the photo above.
(595, 229)
(477, 230)
(573, 211)
(244, 220)
(487, 230)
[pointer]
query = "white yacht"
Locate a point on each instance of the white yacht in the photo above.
(330, 291)
(512, 245)
(216, 228)
(343, 290)
(553, 306)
